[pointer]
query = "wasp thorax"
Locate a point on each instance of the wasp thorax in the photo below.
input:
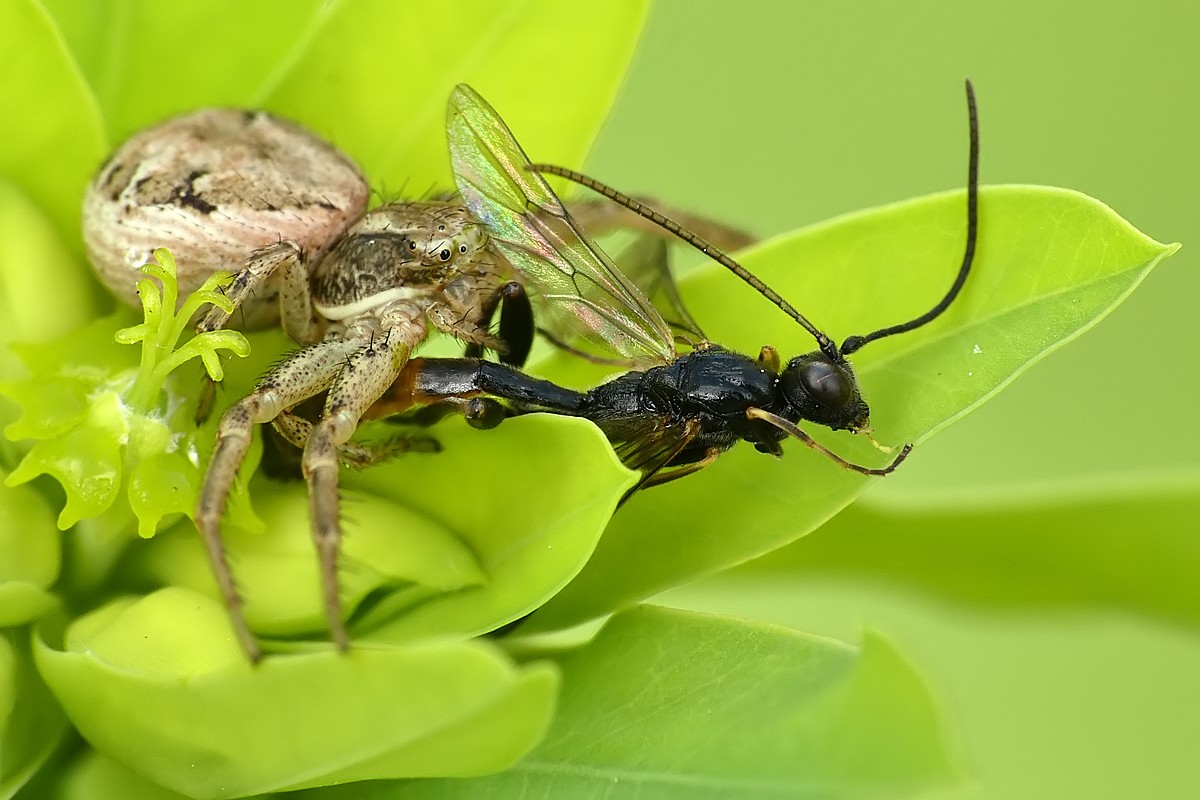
(824, 391)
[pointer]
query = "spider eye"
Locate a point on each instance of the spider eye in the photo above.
(444, 255)
(412, 246)
(825, 383)
(462, 248)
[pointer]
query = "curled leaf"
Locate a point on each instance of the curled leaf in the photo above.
(209, 724)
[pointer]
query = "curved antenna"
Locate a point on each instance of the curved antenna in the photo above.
(856, 343)
(824, 342)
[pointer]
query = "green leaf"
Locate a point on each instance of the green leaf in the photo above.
(553, 68)
(371, 75)
(31, 724)
(668, 704)
(159, 684)
(213, 53)
(1085, 549)
(92, 776)
(44, 290)
(160, 486)
(478, 487)
(86, 460)
(30, 555)
(1051, 263)
(52, 140)
(387, 547)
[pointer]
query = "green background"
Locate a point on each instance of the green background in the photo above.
(773, 115)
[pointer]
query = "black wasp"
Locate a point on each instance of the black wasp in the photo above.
(671, 414)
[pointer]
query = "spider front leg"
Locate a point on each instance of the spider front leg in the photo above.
(302, 375)
(367, 374)
(285, 258)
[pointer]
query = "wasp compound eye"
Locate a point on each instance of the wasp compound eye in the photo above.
(825, 383)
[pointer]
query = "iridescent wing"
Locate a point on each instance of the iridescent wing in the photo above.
(654, 444)
(646, 263)
(577, 281)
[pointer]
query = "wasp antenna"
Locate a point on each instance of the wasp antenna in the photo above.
(695, 240)
(855, 343)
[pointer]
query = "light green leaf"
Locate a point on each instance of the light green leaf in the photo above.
(1089, 548)
(668, 704)
(92, 776)
(30, 555)
(1051, 263)
(86, 461)
(31, 724)
(159, 685)
(387, 548)
(479, 488)
(44, 289)
(52, 139)
(213, 53)
(553, 68)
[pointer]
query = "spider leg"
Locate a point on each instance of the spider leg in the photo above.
(367, 373)
(302, 375)
(295, 303)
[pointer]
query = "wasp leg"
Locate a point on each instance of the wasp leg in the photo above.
(302, 375)
(682, 471)
(295, 304)
(366, 375)
(516, 324)
(794, 430)
(359, 455)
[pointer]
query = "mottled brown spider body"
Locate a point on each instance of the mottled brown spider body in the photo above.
(216, 185)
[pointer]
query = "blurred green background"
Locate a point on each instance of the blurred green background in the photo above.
(1038, 560)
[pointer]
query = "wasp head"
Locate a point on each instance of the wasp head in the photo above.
(825, 391)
